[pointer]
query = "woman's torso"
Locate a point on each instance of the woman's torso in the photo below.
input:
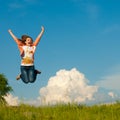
(27, 55)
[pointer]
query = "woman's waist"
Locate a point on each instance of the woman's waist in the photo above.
(27, 61)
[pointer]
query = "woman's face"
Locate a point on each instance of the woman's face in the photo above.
(28, 41)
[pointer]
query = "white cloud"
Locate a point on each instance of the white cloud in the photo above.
(112, 94)
(67, 86)
(21, 4)
(111, 82)
(15, 5)
(92, 10)
(112, 28)
(11, 100)
(30, 1)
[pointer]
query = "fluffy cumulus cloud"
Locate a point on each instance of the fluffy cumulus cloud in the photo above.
(11, 100)
(69, 86)
(66, 87)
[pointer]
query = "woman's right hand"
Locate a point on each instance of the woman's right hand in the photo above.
(9, 30)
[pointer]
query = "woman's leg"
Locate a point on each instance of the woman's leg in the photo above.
(36, 72)
(24, 74)
(32, 74)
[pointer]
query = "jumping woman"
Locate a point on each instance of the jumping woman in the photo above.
(27, 49)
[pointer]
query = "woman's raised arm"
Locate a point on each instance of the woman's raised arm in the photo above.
(14, 37)
(39, 37)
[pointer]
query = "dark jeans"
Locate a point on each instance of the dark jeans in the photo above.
(28, 74)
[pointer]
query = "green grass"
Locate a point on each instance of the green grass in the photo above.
(61, 112)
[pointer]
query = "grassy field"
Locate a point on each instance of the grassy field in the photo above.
(61, 112)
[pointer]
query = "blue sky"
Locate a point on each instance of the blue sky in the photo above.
(80, 34)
